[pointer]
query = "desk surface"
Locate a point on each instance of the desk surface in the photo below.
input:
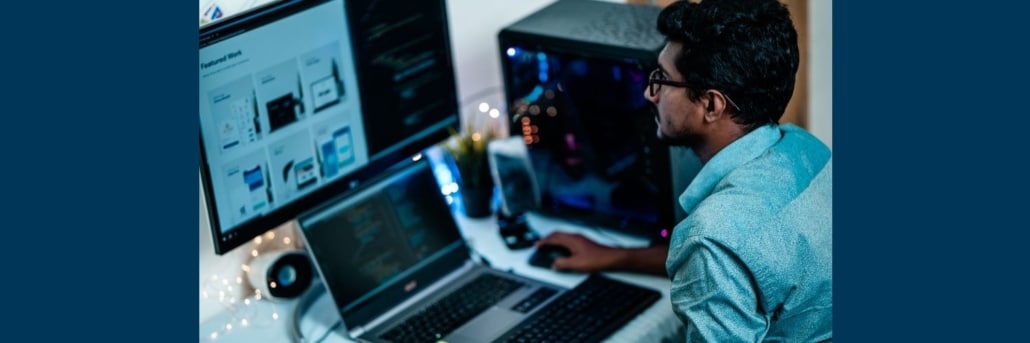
(270, 321)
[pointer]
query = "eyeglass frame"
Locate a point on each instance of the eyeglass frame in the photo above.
(653, 79)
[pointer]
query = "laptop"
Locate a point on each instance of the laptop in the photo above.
(395, 264)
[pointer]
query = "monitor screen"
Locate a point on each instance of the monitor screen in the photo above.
(591, 138)
(301, 101)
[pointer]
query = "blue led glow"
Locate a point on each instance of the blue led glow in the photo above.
(535, 94)
(541, 62)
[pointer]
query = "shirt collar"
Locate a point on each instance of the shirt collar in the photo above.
(744, 149)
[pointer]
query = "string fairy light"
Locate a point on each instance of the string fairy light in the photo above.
(243, 309)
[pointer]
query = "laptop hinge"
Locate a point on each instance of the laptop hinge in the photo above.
(404, 306)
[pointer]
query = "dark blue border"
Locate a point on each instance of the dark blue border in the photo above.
(929, 143)
(100, 170)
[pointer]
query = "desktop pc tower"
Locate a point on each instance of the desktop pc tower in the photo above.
(574, 76)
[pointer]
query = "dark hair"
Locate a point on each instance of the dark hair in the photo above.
(747, 49)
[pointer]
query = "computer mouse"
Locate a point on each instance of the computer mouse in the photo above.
(545, 255)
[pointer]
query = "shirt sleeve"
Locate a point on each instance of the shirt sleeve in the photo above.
(715, 295)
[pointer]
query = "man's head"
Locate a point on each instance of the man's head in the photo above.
(728, 67)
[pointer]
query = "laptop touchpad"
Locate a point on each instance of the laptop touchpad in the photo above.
(489, 325)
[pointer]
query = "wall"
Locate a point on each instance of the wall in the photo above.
(820, 77)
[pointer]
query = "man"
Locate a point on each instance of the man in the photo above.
(752, 260)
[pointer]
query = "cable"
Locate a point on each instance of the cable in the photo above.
(327, 332)
(475, 253)
(315, 291)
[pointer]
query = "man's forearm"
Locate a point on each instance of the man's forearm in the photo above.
(649, 260)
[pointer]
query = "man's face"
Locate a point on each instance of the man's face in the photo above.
(678, 118)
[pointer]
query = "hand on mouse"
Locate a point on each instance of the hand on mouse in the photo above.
(586, 255)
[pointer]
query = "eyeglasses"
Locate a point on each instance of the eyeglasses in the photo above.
(655, 82)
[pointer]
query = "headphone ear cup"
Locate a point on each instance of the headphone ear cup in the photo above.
(282, 274)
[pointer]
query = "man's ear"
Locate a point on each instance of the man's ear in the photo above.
(715, 105)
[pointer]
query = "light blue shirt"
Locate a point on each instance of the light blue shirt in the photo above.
(752, 261)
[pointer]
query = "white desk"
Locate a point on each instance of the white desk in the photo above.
(656, 324)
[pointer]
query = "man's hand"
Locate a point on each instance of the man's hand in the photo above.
(585, 254)
(588, 256)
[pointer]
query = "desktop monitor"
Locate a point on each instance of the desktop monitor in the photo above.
(575, 74)
(301, 101)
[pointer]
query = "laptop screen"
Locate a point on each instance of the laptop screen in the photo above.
(379, 244)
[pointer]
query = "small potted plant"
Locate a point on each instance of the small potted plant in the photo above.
(468, 151)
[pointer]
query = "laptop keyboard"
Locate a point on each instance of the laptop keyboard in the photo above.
(591, 312)
(439, 319)
(534, 299)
